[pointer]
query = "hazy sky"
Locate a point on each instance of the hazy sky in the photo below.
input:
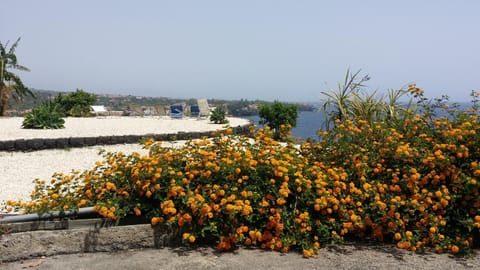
(258, 49)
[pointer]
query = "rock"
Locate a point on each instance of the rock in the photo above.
(21, 145)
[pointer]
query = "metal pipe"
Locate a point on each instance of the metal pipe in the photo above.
(47, 216)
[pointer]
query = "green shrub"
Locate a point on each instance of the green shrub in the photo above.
(279, 117)
(46, 116)
(76, 104)
(218, 116)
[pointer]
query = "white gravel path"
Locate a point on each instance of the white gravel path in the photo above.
(11, 127)
(18, 170)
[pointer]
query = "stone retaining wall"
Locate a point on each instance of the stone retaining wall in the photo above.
(25, 245)
(25, 145)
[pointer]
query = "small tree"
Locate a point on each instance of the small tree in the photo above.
(279, 117)
(10, 84)
(76, 104)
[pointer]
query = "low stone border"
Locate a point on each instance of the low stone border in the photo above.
(95, 238)
(26, 145)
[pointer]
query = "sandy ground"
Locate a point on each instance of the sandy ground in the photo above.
(345, 257)
(18, 170)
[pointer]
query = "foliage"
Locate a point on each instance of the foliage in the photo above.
(46, 116)
(351, 101)
(242, 107)
(11, 86)
(217, 116)
(279, 117)
(77, 103)
(414, 185)
(29, 102)
(337, 103)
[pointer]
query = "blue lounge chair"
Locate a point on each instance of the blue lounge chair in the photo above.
(195, 111)
(176, 111)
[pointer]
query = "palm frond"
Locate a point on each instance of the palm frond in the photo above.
(2, 50)
(11, 86)
(14, 46)
(337, 103)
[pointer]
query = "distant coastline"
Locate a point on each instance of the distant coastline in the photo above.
(310, 118)
(116, 102)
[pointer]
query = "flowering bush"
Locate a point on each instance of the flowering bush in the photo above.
(414, 185)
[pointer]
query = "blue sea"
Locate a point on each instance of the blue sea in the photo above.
(308, 123)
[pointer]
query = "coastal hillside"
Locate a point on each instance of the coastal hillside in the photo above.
(242, 107)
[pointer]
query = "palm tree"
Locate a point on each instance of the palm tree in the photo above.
(10, 84)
